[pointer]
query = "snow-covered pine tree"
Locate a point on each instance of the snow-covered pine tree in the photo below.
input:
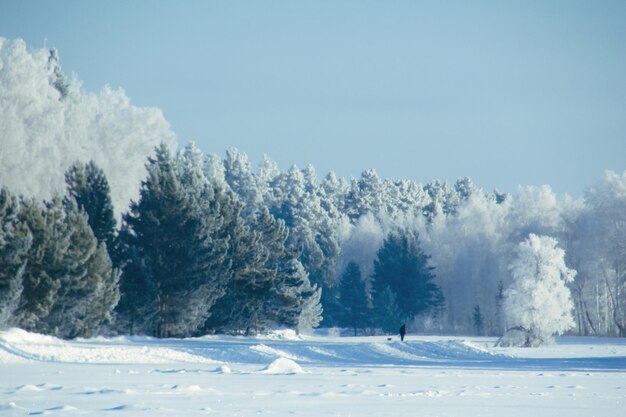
(312, 232)
(44, 259)
(239, 176)
(15, 241)
(312, 308)
(241, 308)
(335, 190)
(88, 285)
(353, 299)
(69, 286)
(88, 186)
(538, 301)
(297, 300)
(366, 195)
(267, 173)
(174, 235)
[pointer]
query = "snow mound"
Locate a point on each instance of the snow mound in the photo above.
(282, 366)
(223, 370)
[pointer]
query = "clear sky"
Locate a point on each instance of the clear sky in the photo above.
(507, 93)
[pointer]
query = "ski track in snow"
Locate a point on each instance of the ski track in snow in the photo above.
(308, 376)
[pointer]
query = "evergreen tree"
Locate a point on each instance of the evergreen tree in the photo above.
(312, 309)
(388, 315)
(88, 285)
(353, 299)
(297, 301)
(478, 320)
(239, 176)
(241, 306)
(69, 284)
(40, 281)
(15, 241)
(313, 233)
(177, 247)
(136, 310)
(88, 186)
(403, 266)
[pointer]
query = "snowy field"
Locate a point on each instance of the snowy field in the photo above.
(284, 375)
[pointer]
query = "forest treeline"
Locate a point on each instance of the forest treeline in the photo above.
(213, 246)
(209, 244)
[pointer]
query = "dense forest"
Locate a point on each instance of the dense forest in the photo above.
(145, 238)
(213, 246)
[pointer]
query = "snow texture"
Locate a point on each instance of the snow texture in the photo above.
(364, 376)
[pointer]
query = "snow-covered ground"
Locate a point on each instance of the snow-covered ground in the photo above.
(284, 374)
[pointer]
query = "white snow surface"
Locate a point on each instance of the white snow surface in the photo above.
(285, 374)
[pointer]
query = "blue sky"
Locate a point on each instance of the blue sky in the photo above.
(506, 93)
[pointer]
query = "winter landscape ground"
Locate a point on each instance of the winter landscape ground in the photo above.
(284, 374)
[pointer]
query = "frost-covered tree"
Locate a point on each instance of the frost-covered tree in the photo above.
(538, 301)
(366, 195)
(238, 174)
(69, 285)
(241, 309)
(353, 299)
(312, 308)
(313, 233)
(297, 301)
(15, 241)
(48, 121)
(178, 249)
(89, 187)
(88, 285)
(594, 239)
(44, 257)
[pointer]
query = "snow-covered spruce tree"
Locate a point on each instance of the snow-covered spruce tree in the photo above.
(353, 299)
(296, 301)
(15, 241)
(238, 174)
(313, 231)
(69, 285)
(289, 302)
(88, 186)
(538, 302)
(241, 309)
(173, 235)
(88, 289)
(312, 308)
(403, 267)
(43, 259)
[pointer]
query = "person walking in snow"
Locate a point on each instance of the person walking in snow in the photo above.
(402, 332)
